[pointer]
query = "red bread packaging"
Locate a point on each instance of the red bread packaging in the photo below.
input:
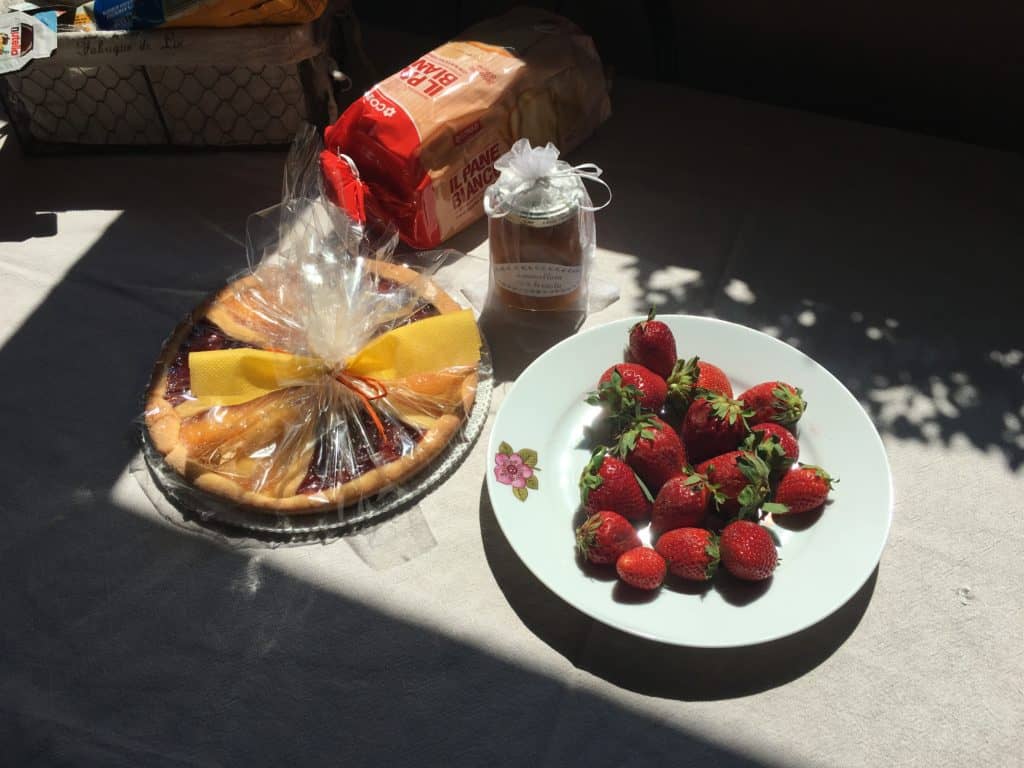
(425, 139)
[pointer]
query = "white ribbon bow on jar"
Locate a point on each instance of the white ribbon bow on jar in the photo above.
(524, 166)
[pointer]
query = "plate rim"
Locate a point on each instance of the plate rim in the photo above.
(493, 441)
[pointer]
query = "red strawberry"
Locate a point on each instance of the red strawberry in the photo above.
(713, 379)
(803, 489)
(790, 446)
(652, 344)
(625, 386)
(609, 483)
(741, 478)
(690, 376)
(604, 536)
(654, 451)
(774, 401)
(713, 425)
(682, 502)
(691, 553)
(775, 444)
(747, 551)
(642, 568)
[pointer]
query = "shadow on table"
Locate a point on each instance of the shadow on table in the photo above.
(650, 667)
(130, 643)
(517, 338)
(127, 642)
(178, 652)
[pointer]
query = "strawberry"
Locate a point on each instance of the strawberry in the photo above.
(774, 401)
(609, 483)
(747, 551)
(652, 345)
(642, 568)
(713, 379)
(627, 386)
(691, 553)
(790, 446)
(688, 377)
(604, 536)
(653, 449)
(802, 489)
(773, 443)
(713, 425)
(741, 478)
(682, 502)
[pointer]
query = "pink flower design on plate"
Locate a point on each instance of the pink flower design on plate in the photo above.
(516, 468)
(510, 470)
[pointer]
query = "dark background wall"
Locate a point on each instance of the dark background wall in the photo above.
(949, 69)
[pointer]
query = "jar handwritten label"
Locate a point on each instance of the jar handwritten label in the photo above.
(538, 279)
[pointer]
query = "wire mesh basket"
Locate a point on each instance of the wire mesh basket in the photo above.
(244, 87)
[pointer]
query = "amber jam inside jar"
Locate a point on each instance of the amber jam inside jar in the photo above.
(538, 256)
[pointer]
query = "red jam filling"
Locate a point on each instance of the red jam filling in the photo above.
(333, 463)
(386, 286)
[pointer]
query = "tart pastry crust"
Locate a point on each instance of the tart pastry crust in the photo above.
(219, 450)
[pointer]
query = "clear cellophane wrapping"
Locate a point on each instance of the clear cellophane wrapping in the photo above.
(332, 447)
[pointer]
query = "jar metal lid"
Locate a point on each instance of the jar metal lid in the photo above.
(547, 204)
(544, 218)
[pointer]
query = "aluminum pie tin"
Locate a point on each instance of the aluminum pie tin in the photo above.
(198, 506)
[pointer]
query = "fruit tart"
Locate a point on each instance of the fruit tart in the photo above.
(313, 445)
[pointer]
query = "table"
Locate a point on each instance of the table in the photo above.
(127, 640)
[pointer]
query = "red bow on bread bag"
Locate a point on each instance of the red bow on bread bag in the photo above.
(426, 138)
(343, 186)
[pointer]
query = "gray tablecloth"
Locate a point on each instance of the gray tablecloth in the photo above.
(130, 640)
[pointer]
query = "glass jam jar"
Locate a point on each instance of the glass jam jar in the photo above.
(539, 249)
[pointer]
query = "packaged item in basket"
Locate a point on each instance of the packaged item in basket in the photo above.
(541, 230)
(24, 37)
(244, 13)
(128, 14)
(426, 138)
(141, 14)
(325, 378)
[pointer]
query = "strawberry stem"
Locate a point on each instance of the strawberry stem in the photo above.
(622, 400)
(788, 404)
(683, 381)
(587, 533)
(591, 479)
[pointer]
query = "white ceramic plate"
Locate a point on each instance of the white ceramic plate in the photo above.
(823, 564)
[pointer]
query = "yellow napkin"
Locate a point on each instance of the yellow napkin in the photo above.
(444, 341)
(234, 376)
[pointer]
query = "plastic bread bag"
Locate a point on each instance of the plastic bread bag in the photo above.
(328, 380)
(427, 137)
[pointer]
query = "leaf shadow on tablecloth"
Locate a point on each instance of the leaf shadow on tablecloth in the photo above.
(892, 259)
(650, 667)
